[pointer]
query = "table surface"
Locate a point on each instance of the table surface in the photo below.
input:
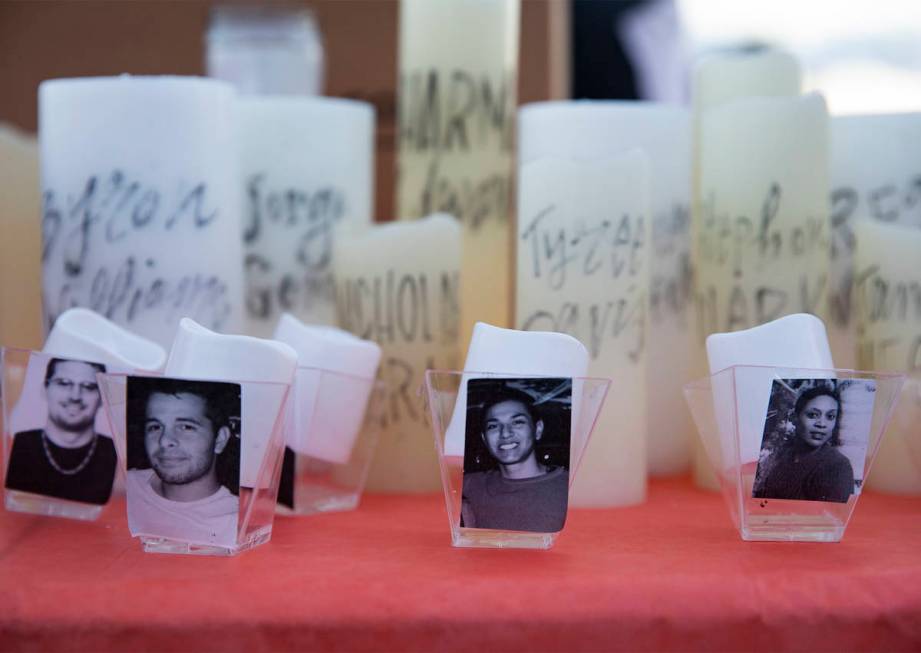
(671, 574)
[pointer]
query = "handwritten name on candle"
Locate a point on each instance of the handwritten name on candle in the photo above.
(670, 288)
(891, 202)
(399, 309)
(745, 246)
(890, 303)
(116, 211)
(603, 248)
(582, 255)
(451, 116)
(306, 220)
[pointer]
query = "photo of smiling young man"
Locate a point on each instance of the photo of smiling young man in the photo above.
(815, 440)
(66, 458)
(512, 481)
(181, 437)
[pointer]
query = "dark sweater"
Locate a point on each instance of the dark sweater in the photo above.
(30, 471)
(806, 473)
(536, 504)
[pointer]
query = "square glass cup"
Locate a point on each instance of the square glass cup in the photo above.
(445, 392)
(730, 409)
(260, 429)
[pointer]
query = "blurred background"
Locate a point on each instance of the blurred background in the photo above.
(864, 55)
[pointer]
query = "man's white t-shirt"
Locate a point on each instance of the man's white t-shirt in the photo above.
(208, 521)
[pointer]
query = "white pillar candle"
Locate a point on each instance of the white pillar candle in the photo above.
(458, 65)
(334, 379)
(796, 341)
(874, 176)
(587, 130)
(721, 78)
(887, 292)
(762, 238)
(141, 216)
(307, 167)
(398, 286)
(718, 79)
(20, 244)
(200, 354)
(583, 239)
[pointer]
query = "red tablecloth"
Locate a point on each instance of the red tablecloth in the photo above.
(670, 574)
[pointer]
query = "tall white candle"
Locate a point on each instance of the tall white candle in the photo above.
(458, 65)
(141, 216)
(583, 243)
(308, 178)
(398, 286)
(718, 79)
(20, 240)
(887, 290)
(875, 169)
(587, 130)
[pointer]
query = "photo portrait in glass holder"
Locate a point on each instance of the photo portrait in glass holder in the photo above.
(331, 432)
(59, 456)
(509, 447)
(815, 439)
(792, 447)
(203, 461)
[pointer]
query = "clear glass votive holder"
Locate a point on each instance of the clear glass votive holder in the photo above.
(331, 431)
(49, 403)
(792, 447)
(485, 425)
(202, 459)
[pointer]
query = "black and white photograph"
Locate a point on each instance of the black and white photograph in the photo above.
(815, 439)
(184, 459)
(62, 446)
(516, 454)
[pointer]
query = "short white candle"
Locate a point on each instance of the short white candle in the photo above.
(397, 285)
(589, 130)
(20, 244)
(334, 380)
(200, 354)
(458, 83)
(887, 288)
(141, 216)
(583, 255)
(796, 341)
(307, 170)
(874, 176)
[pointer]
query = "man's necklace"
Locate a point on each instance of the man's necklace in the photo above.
(78, 468)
